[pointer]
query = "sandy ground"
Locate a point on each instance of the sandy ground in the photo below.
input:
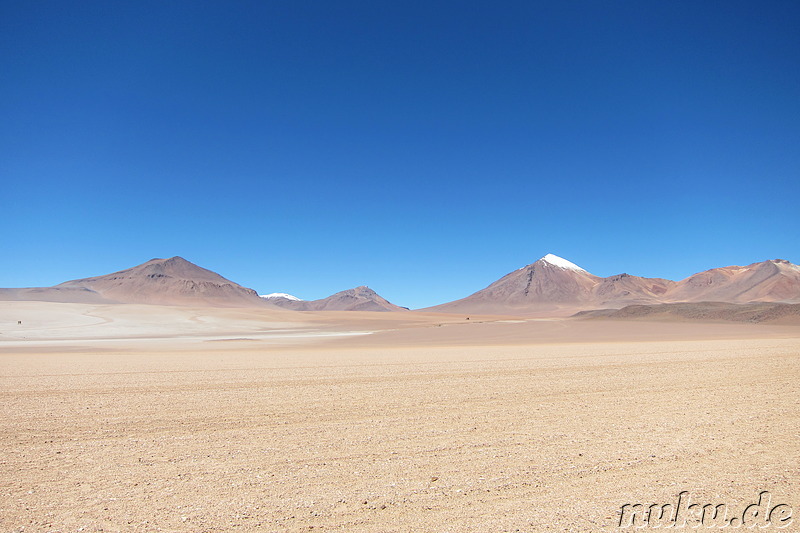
(140, 418)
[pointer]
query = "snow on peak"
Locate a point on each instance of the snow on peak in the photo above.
(280, 295)
(561, 263)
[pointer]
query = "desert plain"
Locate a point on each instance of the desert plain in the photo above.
(180, 419)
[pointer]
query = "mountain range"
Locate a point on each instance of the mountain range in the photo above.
(550, 286)
(553, 285)
(176, 281)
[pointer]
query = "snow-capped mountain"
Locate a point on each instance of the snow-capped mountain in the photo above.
(546, 284)
(281, 295)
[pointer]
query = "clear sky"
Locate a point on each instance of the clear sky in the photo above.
(422, 148)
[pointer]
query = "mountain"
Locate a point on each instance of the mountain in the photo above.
(555, 285)
(173, 281)
(776, 280)
(548, 284)
(359, 299)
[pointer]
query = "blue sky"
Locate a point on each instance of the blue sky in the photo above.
(422, 148)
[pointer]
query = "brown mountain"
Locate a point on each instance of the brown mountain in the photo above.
(359, 299)
(553, 285)
(625, 289)
(173, 281)
(549, 284)
(776, 280)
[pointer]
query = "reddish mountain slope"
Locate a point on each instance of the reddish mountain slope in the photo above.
(776, 280)
(549, 284)
(173, 281)
(359, 299)
(554, 285)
